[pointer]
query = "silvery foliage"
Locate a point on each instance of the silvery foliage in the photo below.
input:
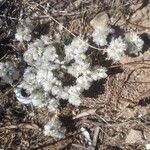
(42, 79)
(132, 43)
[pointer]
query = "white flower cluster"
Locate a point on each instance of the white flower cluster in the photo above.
(23, 34)
(8, 72)
(54, 128)
(100, 34)
(42, 80)
(46, 69)
(116, 49)
(132, 43)
(80, 69)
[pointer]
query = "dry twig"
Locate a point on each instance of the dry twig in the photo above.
(84, 114)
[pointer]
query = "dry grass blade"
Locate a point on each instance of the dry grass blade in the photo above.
(21, 126)
(86, 113)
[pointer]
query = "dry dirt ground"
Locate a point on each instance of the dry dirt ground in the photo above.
(115, 111)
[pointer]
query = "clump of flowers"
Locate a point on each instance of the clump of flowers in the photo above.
(131, 44)
(46, 67)
(43, 78)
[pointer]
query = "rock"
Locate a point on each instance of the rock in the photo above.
(134, 136)
(100, 19)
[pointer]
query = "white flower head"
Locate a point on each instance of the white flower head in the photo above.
(46, 39)
(100, 34)
(53, 104)
(134, 43)
(49, 54)
(77, 47)
(29, 80)
(38, 98)
(74, 100)
(54, 128)
(99, 73)
(23, 33)
(116, 49)
(33, 55)
(74, 95)
(45, 78)
(83, 82)
(8, 72)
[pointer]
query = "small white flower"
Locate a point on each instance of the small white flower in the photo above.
(38, 98)
(116, 49)
(77, 47)
(46, 39)
(50, 54)
(33, 55)
(23, 34)
(56, 90)
(83, 82)
(99, 74)
(54, 128)
(100, 34)
(29, 82)
(37, 103)
(74, 95)
(45, 78)
(53, 105)
(74, 100)
(134, 43)
(64, 93)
